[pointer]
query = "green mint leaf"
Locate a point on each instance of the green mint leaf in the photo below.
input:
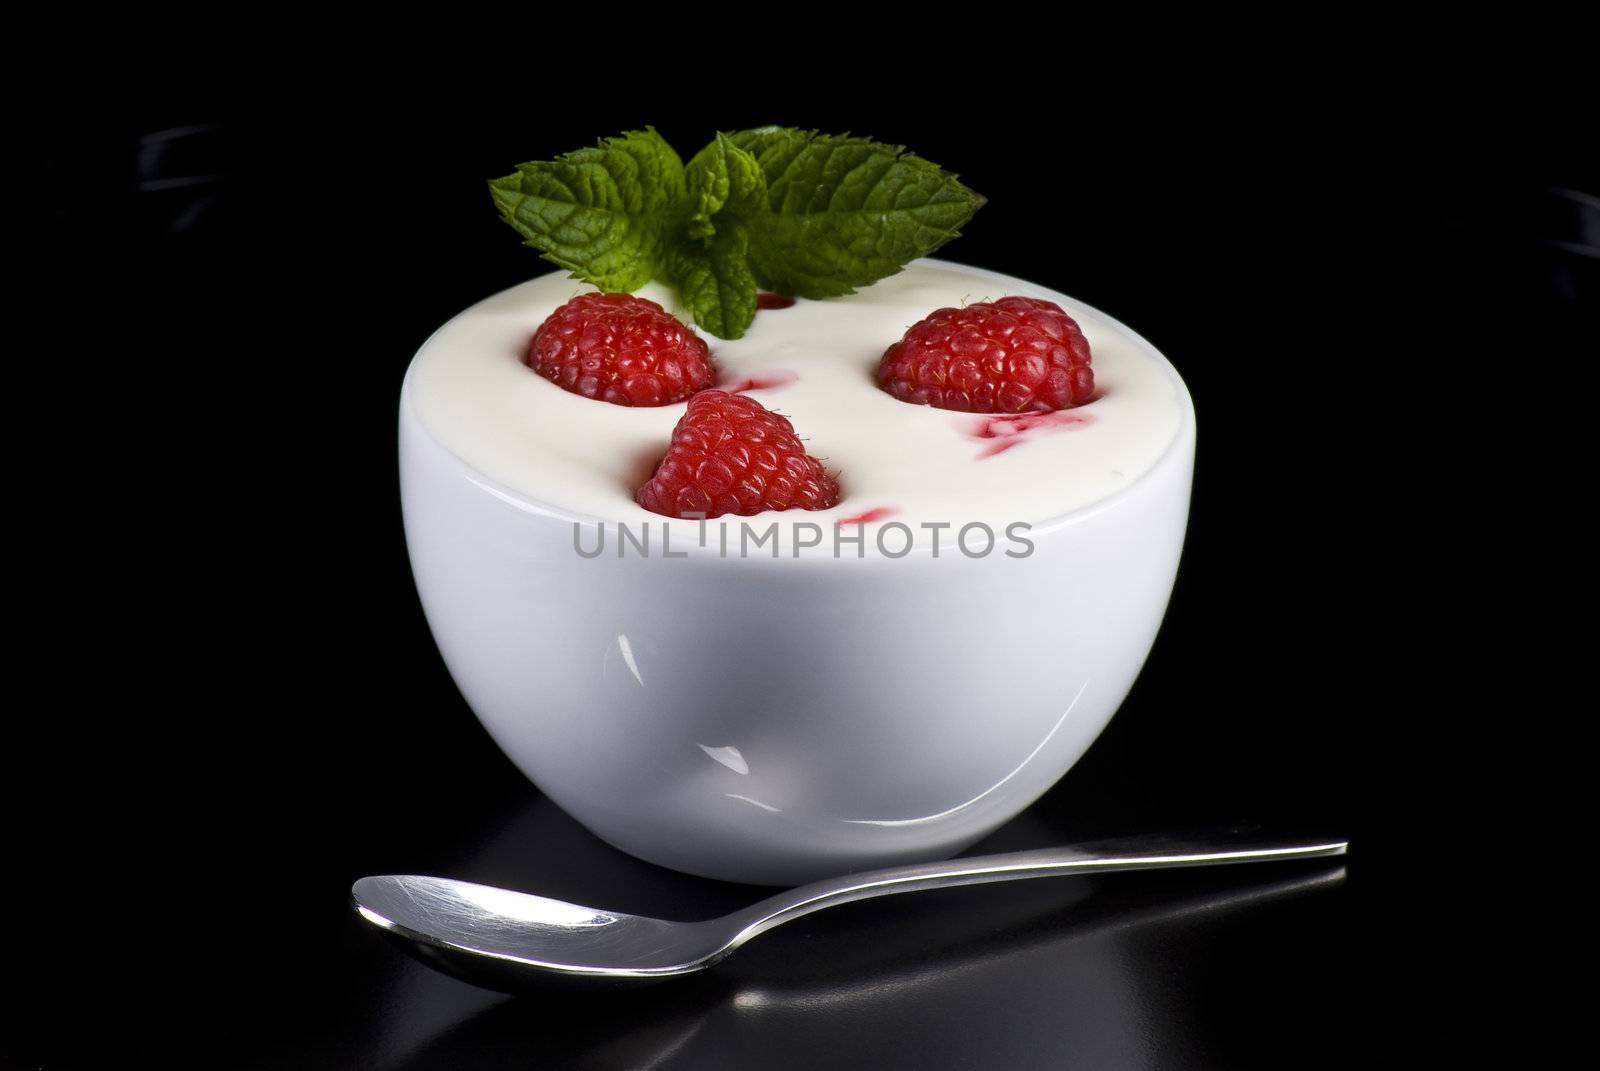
(844, 212)
(722, 177)
(714, 279)
(603, 213)
(792, 210)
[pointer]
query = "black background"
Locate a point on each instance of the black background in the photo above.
(250, 712)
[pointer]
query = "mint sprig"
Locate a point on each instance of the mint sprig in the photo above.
(795, 211)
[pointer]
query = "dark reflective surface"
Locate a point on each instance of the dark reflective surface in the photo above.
(250, 713)
(1086, 972)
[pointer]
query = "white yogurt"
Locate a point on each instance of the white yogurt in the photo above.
(895, 461)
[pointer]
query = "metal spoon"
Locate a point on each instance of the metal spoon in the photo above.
(479, 932)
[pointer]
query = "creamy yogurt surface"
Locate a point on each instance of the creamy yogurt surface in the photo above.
(813, 362)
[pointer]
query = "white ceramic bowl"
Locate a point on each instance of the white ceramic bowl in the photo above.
(778, 720)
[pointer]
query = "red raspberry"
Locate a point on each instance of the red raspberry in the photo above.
(620, 349)
(1014, 355)
(730, 454)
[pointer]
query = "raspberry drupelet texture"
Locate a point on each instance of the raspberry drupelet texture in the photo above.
(621, 349)
(730, 454)
(1015, 355)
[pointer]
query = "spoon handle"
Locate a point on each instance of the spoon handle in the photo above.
(1130, 853)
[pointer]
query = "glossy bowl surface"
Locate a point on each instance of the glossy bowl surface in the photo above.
(778, 719)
